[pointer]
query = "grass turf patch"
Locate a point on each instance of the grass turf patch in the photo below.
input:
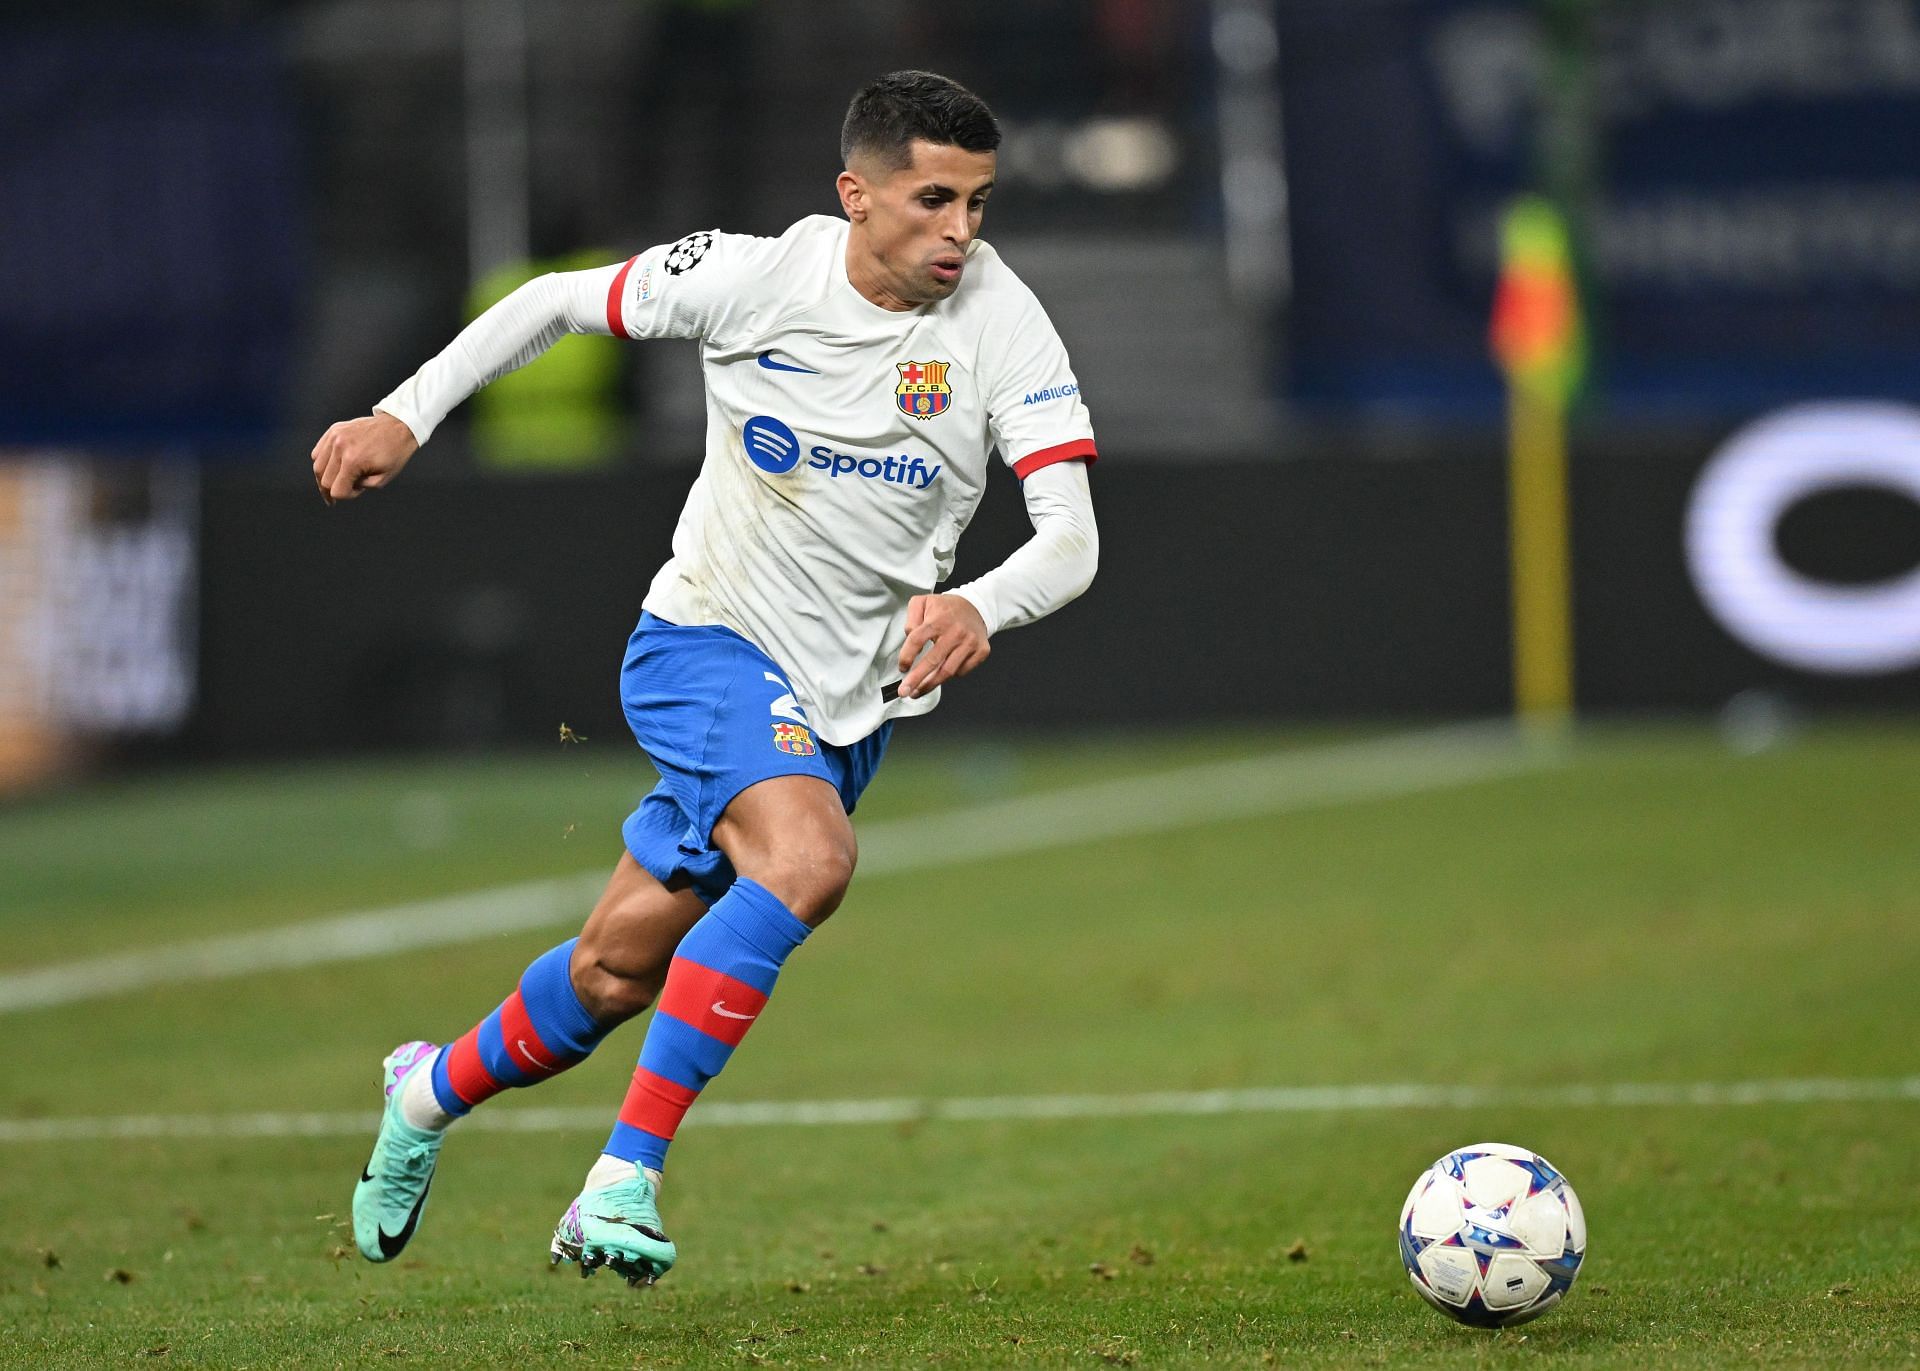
(1754, 1236)
(1655, 909)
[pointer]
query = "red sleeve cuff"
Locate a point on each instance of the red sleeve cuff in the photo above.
(616, 322)
(1079, 450)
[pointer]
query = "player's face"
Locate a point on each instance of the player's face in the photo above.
(913, 224)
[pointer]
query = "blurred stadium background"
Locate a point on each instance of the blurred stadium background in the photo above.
(1268, 232)
(1272, 233)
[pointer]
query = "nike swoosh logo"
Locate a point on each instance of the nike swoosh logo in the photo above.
(720, 1008)
(766, 360)
(639, 1228)
(365, 1174)
(532, 1060)
(391, 1243)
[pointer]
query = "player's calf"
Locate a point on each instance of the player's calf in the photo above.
(538, 1031)
(619, 961)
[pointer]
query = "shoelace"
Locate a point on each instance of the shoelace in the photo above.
(413, 1162)
(627, 1203)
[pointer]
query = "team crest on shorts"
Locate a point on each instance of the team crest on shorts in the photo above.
(923, 390)
(794, 738)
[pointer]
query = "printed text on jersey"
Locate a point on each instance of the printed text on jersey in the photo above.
(774, 447)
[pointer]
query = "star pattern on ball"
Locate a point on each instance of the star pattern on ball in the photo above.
(1492, 1235)
(685, 255)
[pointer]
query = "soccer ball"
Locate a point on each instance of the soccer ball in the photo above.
(1492, 1235)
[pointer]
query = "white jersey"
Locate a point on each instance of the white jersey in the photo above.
(847, 446)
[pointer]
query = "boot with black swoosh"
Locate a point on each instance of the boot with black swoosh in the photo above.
(616, 1224)
(394, 1182)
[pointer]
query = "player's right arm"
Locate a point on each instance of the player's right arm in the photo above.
(627, 300)
(367, 453)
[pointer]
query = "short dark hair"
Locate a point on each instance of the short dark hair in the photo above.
(890, 113)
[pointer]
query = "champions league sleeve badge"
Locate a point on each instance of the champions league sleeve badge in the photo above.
(923, 390)
(685, 255)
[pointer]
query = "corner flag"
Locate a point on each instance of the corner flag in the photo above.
(1538, 336)
(1539, 340)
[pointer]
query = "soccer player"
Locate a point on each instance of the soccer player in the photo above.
(859, 373)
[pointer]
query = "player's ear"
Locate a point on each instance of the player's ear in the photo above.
(853, 195)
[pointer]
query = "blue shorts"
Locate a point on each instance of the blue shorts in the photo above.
(716, 715)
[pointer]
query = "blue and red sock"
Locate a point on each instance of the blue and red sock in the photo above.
(538, 1031)
(717, 984)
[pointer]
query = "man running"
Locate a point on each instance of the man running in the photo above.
(859, 374)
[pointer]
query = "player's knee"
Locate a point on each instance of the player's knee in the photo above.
(810, 878)
(610, 989)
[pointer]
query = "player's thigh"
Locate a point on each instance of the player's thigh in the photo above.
(716, 716)
(621, 960)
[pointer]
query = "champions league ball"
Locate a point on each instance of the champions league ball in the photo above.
(1492, 1235)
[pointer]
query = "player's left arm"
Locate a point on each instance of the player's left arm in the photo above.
(1042, 428)
(1051, 568)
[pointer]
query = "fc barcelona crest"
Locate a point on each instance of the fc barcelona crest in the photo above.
(793, 738)
(923, 390)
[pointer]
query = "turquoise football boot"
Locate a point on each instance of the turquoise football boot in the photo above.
(394, 1183)
(616, 1226)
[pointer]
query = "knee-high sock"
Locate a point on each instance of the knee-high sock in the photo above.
(538, 1031)
(717, 984)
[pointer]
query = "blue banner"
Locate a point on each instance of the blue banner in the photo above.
(150, 241)
(1753, 237)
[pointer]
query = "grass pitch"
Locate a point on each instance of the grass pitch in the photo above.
(1655, 909)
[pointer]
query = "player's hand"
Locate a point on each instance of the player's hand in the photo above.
(361, 454)
(954, 639)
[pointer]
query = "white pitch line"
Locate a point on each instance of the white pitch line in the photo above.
(829, 1113)
(1129, 807)
(1213, 792)
(461, 918)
